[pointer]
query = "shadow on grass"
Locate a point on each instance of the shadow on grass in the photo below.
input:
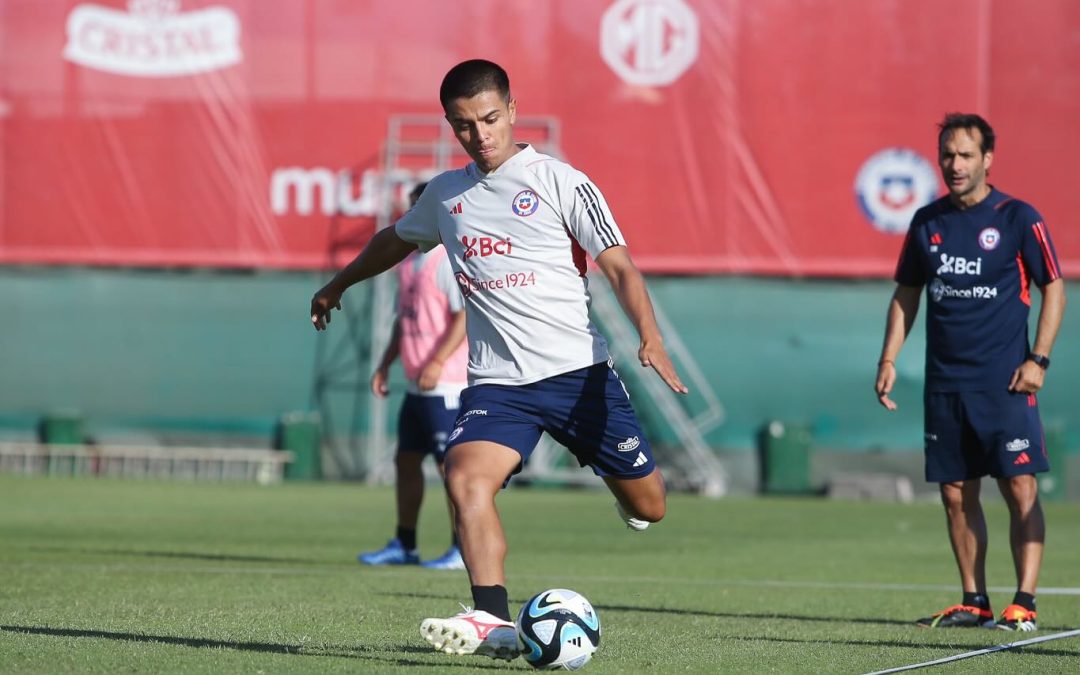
(698, 612)
(185, 555)
(902, 644)
(391, 655)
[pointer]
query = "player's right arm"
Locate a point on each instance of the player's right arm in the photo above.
(902, 310)
(390, 354)
(382, 252)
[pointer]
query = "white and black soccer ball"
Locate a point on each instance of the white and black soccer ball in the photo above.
(558, 629)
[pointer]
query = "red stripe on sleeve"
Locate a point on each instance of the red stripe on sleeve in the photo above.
(1048, 255)
(1025, 282)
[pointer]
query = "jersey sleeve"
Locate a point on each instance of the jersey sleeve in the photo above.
(910, 267)
(1036, 248)
(588, 216)
(419, 225)
(444, 279)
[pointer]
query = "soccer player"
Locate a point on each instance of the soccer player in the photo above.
(977, 251)
(429, 336)
(517, 225)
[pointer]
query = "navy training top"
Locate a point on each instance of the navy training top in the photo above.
(977, 265)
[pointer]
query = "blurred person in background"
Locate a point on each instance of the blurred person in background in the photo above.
(429, 337)
(517, 225)
(977, 251)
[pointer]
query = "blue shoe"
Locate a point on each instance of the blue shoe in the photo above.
(392, 554)
(451, 560)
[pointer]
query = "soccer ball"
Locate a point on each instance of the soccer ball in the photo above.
(558, 629)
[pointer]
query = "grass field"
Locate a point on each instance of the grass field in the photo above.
(112, 576)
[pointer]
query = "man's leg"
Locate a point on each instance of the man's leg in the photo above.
(409, 491)
(409, 488)
(1027, 536)
(452, 559)
(475, 472)
(967, 532)
(642, 498)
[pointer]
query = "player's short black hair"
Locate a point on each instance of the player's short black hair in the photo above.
(469, 78)
(957, 120)
(415, 193)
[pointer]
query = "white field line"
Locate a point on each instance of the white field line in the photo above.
(980, 652)
(319, 569)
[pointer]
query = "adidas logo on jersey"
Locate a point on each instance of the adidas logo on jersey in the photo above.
(457, 210)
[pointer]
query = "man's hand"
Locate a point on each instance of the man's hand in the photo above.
(1027, 379)
(655, 356)
(326, 299)
(886, 378)
(429, 376)
(378, 383)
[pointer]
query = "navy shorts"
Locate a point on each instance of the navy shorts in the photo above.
(586, 410)
(424, 424)
(970, 434)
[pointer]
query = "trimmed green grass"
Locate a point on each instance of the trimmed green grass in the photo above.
(114, 576)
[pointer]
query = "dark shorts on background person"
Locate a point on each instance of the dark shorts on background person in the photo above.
(970, 434)
(424, 423)
(587, 410)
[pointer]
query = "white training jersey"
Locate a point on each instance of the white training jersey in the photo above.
(517, 239)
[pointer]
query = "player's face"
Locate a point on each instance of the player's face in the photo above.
(484, 126)
(963, 164)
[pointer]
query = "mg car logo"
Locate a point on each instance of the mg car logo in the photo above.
(649, 42)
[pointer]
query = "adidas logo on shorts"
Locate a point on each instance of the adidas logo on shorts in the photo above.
(641, 459)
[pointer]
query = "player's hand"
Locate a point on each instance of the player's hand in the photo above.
(886, 378)
(653, 355)
(429, 376)
(1027, 379)
(378, 383)
(325, 299)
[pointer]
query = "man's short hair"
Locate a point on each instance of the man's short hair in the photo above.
(954, 121)
(469, 78)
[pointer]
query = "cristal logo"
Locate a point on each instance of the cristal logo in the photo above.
(629, 444)
(153, 39)
(1018, 444)
(649, 42)
(485, 246)
(959, 265)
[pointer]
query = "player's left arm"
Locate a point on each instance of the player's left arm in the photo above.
(629, 287)
(1029, 377)
(1039, 257)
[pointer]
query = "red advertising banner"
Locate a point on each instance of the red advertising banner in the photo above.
(729, 136)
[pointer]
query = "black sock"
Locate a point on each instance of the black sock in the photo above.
(1025, 600)
(980, 600)
(455, 541)
(491, 599)
(407, 537)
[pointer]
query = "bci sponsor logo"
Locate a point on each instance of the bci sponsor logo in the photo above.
(153, 39)
(959, 265)
(304, 192)
(485, 246)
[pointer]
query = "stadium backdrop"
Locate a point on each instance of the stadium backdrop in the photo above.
(732, 136)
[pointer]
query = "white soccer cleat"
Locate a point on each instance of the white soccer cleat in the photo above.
(473, 632)
(635, 524)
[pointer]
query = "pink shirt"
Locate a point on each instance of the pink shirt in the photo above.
(428, 297)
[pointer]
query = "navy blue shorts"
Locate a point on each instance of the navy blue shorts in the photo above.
(971, 434)
(424, 424)
(586, 410)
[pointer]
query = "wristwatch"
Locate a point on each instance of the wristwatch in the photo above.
(1039, 360)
